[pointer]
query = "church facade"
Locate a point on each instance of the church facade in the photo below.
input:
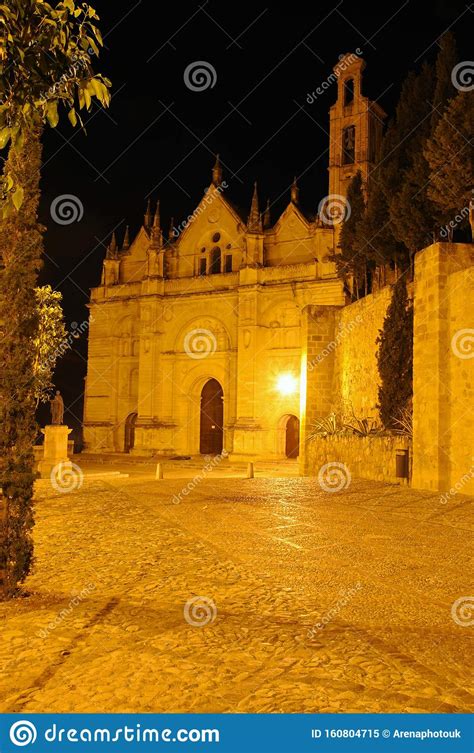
(195, 341)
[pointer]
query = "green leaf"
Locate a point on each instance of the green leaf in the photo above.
(5, 134)
(18, 198)
(52, 114)
(97, 88)
(98, 35)
(72, 116)
(93, 45)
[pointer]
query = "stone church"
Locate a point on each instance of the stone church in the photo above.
(195, 340)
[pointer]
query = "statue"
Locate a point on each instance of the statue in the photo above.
(57, 409)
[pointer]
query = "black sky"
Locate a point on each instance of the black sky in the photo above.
(159, 138)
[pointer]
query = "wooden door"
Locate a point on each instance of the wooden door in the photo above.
(292, 443)
(212, 418)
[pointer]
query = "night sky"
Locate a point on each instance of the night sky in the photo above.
(159, 138)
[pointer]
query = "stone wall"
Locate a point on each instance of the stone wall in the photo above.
(356, 377)
(443, 365)
(364, 457)
(339, 363)
(339, 372)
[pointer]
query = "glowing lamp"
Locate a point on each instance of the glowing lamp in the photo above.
(287, 384)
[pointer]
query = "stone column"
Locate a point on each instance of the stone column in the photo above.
(442, 393)
(317, 368)
(247, 431)
(145, 439)
(55, 449)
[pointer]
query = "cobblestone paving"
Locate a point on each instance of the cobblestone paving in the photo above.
(323, 601)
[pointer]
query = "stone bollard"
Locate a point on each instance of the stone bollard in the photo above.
(159, 471)
(250, 472)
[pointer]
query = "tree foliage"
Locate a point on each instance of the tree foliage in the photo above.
(49, 340)
(450, 156)
(395, 356)
(20, 253)
(405, 171)
(402, 211)
(46, 57)
(351, 262)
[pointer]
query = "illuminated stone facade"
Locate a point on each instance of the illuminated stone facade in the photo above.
(220, 299)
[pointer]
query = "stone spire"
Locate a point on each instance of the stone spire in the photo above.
(156, 232)
(147, 218)
(126, 240)
(112, 249)
(295, 191)
(267, 219)
(254, 223)
(217, 172)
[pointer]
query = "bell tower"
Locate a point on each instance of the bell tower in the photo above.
(355, 127)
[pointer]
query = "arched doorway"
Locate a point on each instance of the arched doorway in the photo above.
(211, 418)
(292, 437)
(129, 440)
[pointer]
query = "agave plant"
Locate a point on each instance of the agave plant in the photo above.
(405, 422)
(364, 427)
(328, 426)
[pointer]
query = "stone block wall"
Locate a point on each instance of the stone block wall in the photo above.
(443, 364)
(356, 377)
(339, 372)
(339, 362)
(317, 370)
(364, 457)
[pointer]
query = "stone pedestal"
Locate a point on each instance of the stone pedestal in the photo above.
(55, 448)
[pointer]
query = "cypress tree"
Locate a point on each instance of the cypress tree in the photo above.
(395, 356)
(450, 155)
(444, 88)
(46, 56)
(411, 212)
(21, 247)
(405, 172)
(351, 262)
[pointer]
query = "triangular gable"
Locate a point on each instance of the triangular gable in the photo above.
(213, 203)
(289, 221)
(138, 247)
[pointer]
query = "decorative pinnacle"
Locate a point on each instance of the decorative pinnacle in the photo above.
(295, 191)
(112, 249)
(156, 233)
(126, 239)
(217, 172)
(147, 218)
(254, 223)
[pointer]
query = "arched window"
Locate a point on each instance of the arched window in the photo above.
(348, 91)
(215, 261)
(348, 145)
